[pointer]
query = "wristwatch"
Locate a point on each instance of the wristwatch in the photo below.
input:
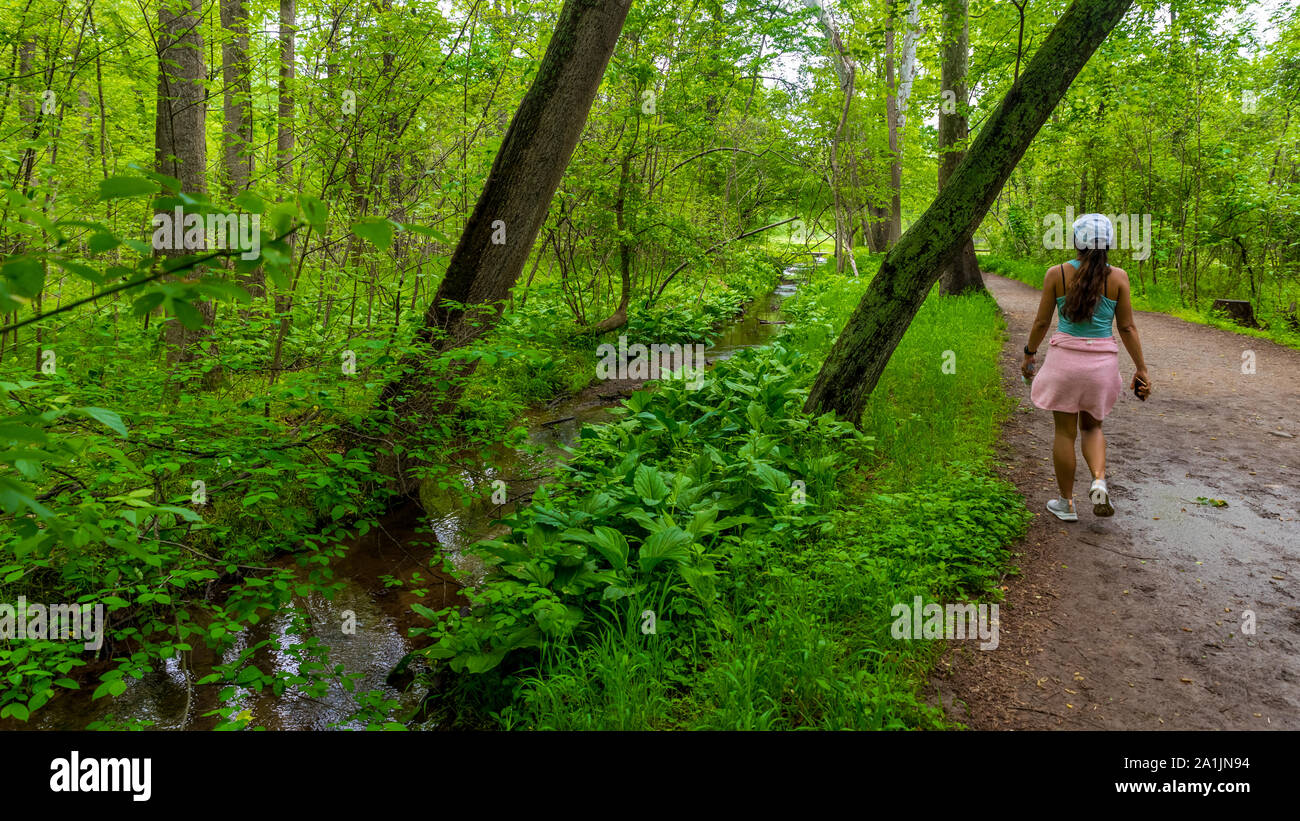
(1029, 352)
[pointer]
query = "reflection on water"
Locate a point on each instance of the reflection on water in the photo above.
(409, 541)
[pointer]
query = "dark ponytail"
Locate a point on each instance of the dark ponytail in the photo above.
(1082, 299)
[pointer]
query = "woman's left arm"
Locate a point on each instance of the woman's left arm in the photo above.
(1042, 322)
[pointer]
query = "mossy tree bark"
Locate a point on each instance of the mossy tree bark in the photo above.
(501, 229)
(911, 268)
(961, 274)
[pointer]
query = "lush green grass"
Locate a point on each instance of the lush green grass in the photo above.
(940, 398)
(1159, 299)
(797, 634)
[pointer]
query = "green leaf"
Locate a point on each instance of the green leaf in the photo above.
(107, 418)
(186, 314)
(671, 543)
(251, 202)
(771, 478)
(84, 271)
(147, 303)
(26, 274)
(376, 229)
(101, 241)
(248, 675)
(115, 187)
(433, 233)
(316, 213)
(649, 484)
(609, 542)
(15, 710)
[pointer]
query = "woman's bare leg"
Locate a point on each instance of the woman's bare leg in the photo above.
(1093, 444)
(1063, 451)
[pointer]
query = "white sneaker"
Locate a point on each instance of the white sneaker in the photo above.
(1063, 509)
(1100, 499)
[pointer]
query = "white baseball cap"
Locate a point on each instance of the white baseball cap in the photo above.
(1093, 231)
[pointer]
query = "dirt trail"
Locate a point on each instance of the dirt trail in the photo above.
(1136, 622)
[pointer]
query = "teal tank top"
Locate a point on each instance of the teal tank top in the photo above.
(1095, 328)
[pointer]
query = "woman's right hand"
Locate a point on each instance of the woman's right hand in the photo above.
(1027, 368)
(1141, 376)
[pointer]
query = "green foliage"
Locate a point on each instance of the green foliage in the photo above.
(634, 512)
(768, 613)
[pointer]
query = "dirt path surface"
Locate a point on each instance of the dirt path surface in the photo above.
(1141, 621)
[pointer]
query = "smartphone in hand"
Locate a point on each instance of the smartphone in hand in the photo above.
(1140, 389)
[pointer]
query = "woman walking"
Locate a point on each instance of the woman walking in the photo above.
(1080, 380)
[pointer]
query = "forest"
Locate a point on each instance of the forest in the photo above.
(606, 364)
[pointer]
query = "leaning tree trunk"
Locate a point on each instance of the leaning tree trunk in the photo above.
(962, 273)
(910, 269)
(500, 232)
(180, 148)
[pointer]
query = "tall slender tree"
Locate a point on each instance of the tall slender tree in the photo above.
(237, 107)
(180, 148)
(284, 141)
(962, 273)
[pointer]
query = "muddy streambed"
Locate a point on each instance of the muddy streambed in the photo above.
(409, 545)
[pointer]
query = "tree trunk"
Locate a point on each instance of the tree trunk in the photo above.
(894, 223)
(284, 163)
(845, 70)
(180, 148)
(907, 65)
(619, 318)
(237, 128)
(910, 269)
(500, 232)
(843, 212)
(962, 273)
(284, 125)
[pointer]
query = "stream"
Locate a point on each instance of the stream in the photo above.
(407, 542)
